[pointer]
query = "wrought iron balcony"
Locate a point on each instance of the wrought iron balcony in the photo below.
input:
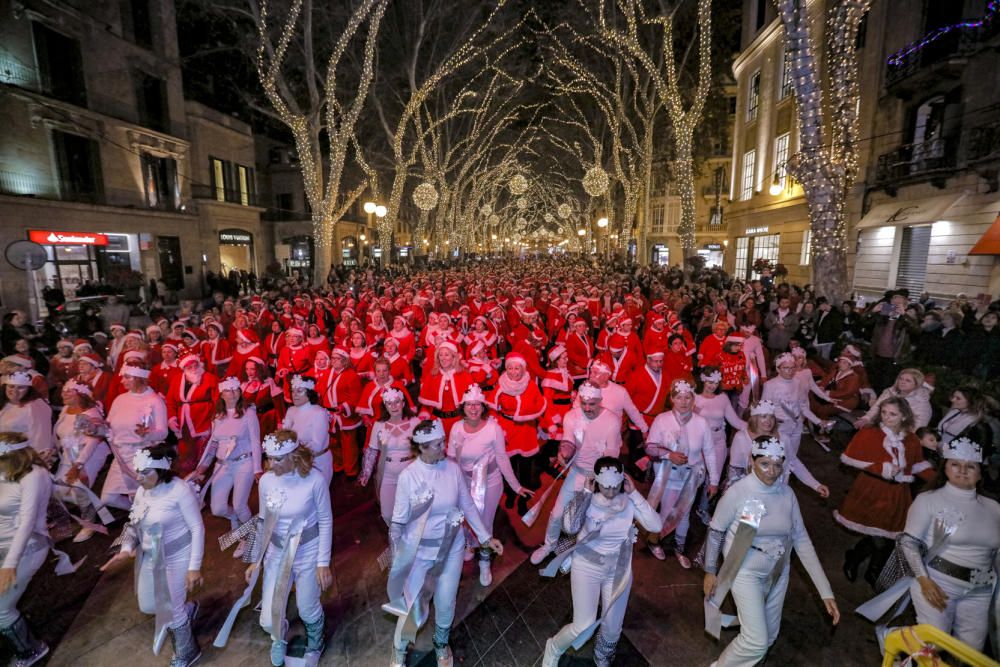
(917, 162)
(945, 54)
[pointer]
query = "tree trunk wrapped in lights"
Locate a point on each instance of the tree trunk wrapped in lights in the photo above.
(827, 161)
(318, 110)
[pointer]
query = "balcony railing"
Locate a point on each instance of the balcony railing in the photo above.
(21, 184)
(984, 142)
(230, 195)
(958, 43)
(912, 162)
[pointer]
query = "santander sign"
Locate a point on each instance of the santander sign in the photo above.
(46, 237)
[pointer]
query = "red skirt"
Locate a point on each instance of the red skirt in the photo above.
(522, 437)
(875, 506)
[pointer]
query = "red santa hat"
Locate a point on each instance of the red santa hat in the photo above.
(447, 345)
(295, 331)
(735, 338)
(92, 359)
(515, 358)
(247, 335)
(476, 348)
(616, 342)
(556, 352)
(187, 356)
(341, 351)
(134, 355)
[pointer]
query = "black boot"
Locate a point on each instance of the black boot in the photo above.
(27, 649)
(881, 553)
(856, 556)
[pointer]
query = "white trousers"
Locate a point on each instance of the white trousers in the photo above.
(790, 433)
(758, 608)
(719, 444)
(177, 569)
(307, 591)
(494, 491)
(445, 587)
(966, 616)
(591, 584)
(236, 477)
(324, 463)
(387, 490)
(91, 469)
(566, 493)
(26, 568)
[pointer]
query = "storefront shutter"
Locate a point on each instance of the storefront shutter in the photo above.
(913, 259)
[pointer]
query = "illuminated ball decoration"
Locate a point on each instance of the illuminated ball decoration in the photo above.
(521, 222)
(486, 210)
(522, 203)
(564, 211)
(549, 218)
(494, 220)
(596, 181)
(425, 196)
(518, 184)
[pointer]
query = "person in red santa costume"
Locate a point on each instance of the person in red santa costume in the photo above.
(620, 358)
(580, 351)
(442, 387)
(531, 349)
(90, 371)
(557, 388)
(321, 371)
(164, 373)
(190, 410)
(399, 366)
(711, 347)
(482, 369)
(405, 343)
(519, 404)
(274, 343)
(648, 387)
(483, 333)
(216, 350)
(655, 339)
(260, 391)
(677, 363)
(316, 341)
(626, 329)
(341, 399)
(362, 358)
(294, 359)
(371, 393)
(247, 345)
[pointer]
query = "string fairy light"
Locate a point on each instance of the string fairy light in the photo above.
(425, 196)
(564, 211)
(596, 181)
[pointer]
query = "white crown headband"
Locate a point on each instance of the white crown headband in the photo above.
(783, 357)
(230, 384)
(963, 449)
(473, 395)
(144, 461)
(8, 447)
(391, 394)
(79, 387)
(134, 371)
(714, 376)
(609, 478)
(682, 387)
(299, 382)
(771, 447)
(589, 392)
(600, 367)
(18, 379)
(274, 448)
(435, 433)
(765, 407)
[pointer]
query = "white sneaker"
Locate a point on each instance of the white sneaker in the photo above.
(683, 560)
(84, 535)
(550, 657)
(485, 573)
(539, 554)
(240, 549)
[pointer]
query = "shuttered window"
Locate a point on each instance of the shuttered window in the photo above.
(913, 258)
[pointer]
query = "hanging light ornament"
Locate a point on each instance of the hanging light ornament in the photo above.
(596, 181)
(518, 184)
(521, 222)
(564, 211)
(522, 203)
(549, 218)
(486, 210)
(425, 196)
(494, 220)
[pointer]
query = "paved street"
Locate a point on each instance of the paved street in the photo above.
(95, 621)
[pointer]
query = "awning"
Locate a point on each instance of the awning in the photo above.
(989, 244)
(907, 212)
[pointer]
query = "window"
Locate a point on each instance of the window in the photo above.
(781, 159)
(60, 65)
(742, 265)
(760, 15)
(786, 75)
(753, 96)
(247, 191)
(160, 177)
(765, 247)
(136, 23)
(673, 220)
(218, 179)
(656, 219)
(78, 164)
(805, 255)
(151, 98)
(746, 180)
(859, 40)
(913, 250)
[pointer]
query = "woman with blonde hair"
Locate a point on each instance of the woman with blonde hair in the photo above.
(909, 386)
(23, 410)
(441, 390)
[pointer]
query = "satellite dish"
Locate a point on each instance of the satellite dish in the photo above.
(26, 255)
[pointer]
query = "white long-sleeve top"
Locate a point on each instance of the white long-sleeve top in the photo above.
(614, 518)
(245, 430)
(77, 447)
(467, 448)
(977, 537)
(919, 401)
(791, 398)
(782, 521)
(616, 399)
(306, 497)
(739, 457)
(128, 410)
(311, 423)
(447, 482)
(602, 436)
(175, 508)
(23, 506)
(392, 440)
(693, 439)
(34, 419)
(718, 410)
(805, 377)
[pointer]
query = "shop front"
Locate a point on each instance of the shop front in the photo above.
(79, 259)
(660, 255)
(712, 254)
(236, 251)
(756, 243)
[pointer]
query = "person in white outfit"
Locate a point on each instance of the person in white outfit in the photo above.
(81, 456)
(954, 590)
(166, 535)
(791, 401)
(389, 449)
(680, 442)
(602, 516)
(426, 542)
(22, 410)
(589, 432)
(477, 444)
(762, 422)
(717, 410)
(235, 447)
(910, 385)
(311, 422)
(753, 350)
(25, 489)
(762, 553)
(614, 397)
(299, 547)
(137, 419)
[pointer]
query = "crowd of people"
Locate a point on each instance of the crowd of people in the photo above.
(609, 402)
